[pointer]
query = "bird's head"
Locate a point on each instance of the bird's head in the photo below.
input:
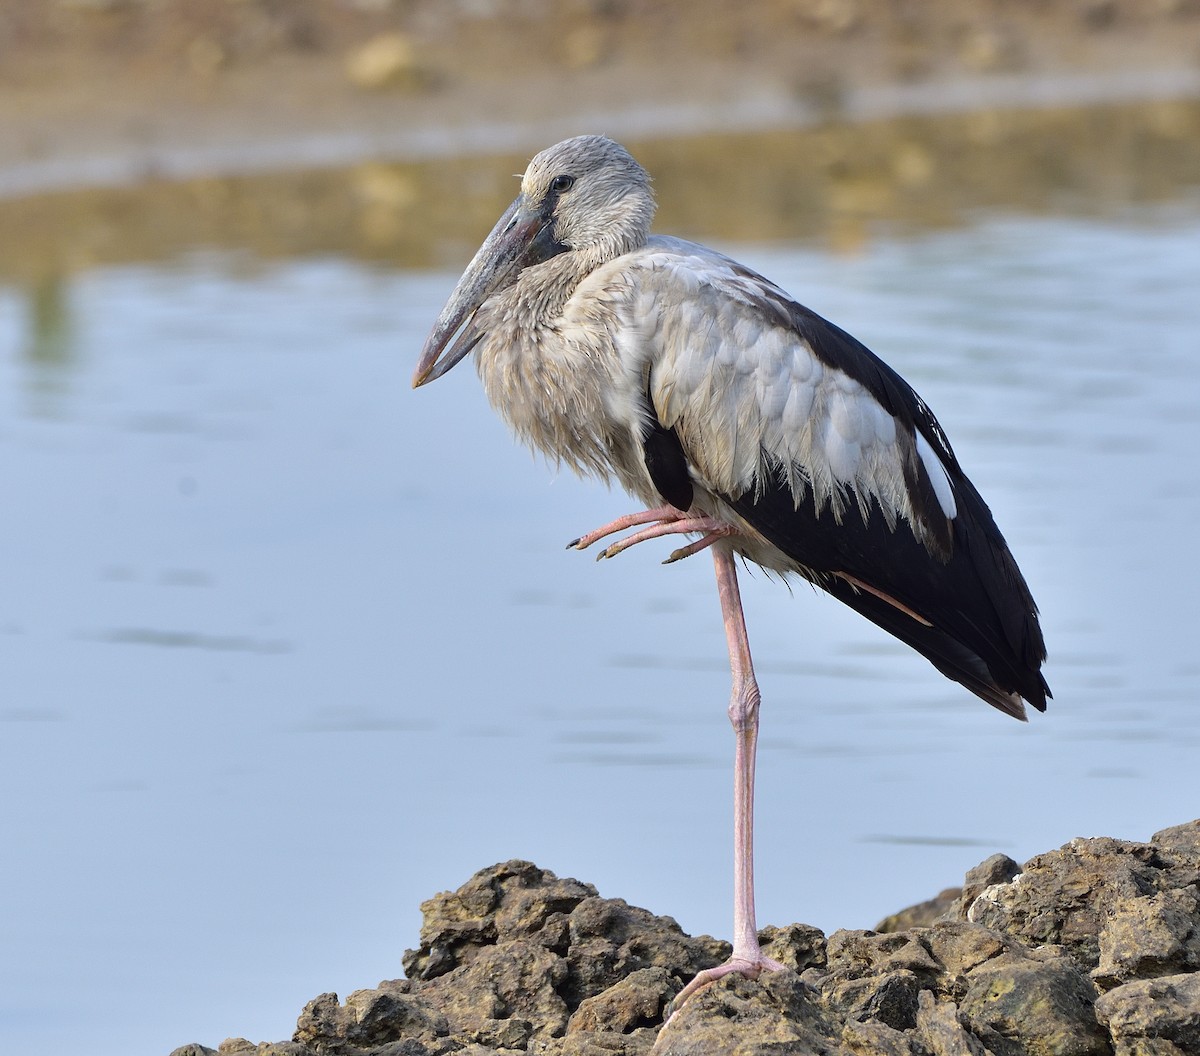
(585, 195)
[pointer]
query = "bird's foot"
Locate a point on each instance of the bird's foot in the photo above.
(719, 532)
(751, 966)
(631, 520)
(664, 520)
(713, 530)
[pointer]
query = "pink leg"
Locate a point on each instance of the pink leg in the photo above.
(747, 957)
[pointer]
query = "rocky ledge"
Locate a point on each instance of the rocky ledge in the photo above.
(1089, 950)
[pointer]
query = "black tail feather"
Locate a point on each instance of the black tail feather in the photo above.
(975, 619)
(949, 656)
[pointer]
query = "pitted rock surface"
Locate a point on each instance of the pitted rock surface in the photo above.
(1089, 950)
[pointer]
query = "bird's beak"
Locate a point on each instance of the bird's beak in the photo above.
(521, 237)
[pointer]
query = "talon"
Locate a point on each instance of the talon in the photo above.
(664, 521)
(751, 965)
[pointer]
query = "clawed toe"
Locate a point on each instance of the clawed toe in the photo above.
(653, 524)
(751, 967)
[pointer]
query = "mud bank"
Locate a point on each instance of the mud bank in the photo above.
(115, 92)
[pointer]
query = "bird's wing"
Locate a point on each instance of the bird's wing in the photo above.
(759, 389)
(828, 453)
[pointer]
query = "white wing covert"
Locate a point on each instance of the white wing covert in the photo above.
(727, 369)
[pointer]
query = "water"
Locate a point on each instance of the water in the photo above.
(287, 647)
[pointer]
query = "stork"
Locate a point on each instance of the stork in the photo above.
(740, 419)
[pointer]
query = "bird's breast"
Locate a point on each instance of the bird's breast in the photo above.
(549, 381)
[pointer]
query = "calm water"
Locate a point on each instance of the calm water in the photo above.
(287, 647)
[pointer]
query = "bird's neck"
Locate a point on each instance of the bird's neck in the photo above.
(543, 291)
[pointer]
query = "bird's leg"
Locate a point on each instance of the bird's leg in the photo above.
(663, 520)
(747, 957)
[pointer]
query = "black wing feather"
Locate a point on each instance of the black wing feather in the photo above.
(667, 465)
(982, 628)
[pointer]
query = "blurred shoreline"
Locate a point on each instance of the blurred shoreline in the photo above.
(132, 128)
(109, 92)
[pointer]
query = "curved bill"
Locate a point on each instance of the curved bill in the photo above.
(521, 237)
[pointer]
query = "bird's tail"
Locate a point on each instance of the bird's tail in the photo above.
(953, 659)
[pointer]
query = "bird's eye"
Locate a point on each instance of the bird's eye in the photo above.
(562, 183)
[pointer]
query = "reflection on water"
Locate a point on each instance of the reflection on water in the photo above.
(348, 719)
(48, 342)
(933, 841)
(837, 183)
(49, 331)
(287, 648)
(187, 640)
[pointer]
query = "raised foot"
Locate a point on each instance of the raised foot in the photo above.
(751, 967)
(665, 520)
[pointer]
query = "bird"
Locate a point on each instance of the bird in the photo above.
(742, 421)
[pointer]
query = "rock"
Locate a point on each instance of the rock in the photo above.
(922, 914)
(998, 869)
(387, 61)
(991, 48)
(777, 1013)
(369, 1017)
(831, 16)
(877, 1039)
(205, 55)
(638, 1043)
(585, 46)
(1154, 1017)
(958, 988)
(1151, 936)
(948, 905)
(1033, 1001)
(941, 1031)
(1179, 848)
(508, 901)
(511, 990)
(609, 939)
(799, 946)
(1065, 896)
(600, 941)
(1090, 950)
(961, 948)
(638, 1000)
